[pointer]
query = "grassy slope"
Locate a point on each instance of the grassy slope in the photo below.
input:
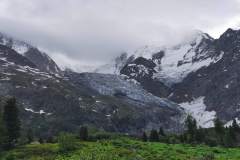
(123, 149)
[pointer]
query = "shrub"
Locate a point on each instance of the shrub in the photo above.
(83, 133)
(100, 136)
(10, 157)
(208, 156)
(154, 137)
(66, 142)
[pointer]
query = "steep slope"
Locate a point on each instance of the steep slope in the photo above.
(172, 64)
(158, 68)
(51, 103)
(132, 106)
(218, 84)
(40, 59)
(200, 74)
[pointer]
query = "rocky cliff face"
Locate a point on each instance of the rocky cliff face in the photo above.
(218, 83)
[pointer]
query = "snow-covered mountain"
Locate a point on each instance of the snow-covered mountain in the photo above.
(39, 58)
(200, 74)
(218, 84)
(158, 85)
(171, 64)
(50, 103)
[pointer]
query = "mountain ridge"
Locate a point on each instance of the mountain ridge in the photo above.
(134, 97)
(39, 58)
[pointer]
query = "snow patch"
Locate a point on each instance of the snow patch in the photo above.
(37, 112)
(227, 86)
(197, 109)
(20, 48)
(5, 79)
(229, 123)
(171, 72)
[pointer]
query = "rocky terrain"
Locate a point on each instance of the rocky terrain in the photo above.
(149, 88)
(53, 101)
(33, 54)
(200, 74)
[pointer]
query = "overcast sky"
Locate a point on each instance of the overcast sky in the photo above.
(91, 31)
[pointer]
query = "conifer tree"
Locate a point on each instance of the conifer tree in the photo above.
(11, 122)
(154, 137)
(49, 139)
(230, 137)
(191, 124)
(235, 126)
(144, 137)
(218, 126)
(200, 135)
(220, 130)
(83, 133)
(30, 136)
(161, 132)
(40, 140)
(2, 131)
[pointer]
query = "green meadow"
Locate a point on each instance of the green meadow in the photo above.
(121, 149)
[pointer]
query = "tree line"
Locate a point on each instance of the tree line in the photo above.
(10, 132)
(219, 135)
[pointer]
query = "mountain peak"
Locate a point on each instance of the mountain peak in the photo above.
(229, 33)
(40, 59)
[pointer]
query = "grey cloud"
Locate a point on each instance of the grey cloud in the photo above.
(99, 29)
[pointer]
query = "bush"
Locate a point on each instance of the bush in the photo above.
(100, 136)
(83, 133)
(208, 156)
(66, 142)
(10, 157)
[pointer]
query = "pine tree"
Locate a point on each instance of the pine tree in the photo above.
(144, 137)
(83, 134)
(154, 137)
(41, 141)
(230, 137)
(161, 132)
(219, 130)
(218, 126)
(11, 122)
(2, 132)
(30, 136)
(49, 139)
(200, 135)
(235, 126)
(191, 124)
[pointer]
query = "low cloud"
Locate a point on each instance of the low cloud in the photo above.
(94, 31)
